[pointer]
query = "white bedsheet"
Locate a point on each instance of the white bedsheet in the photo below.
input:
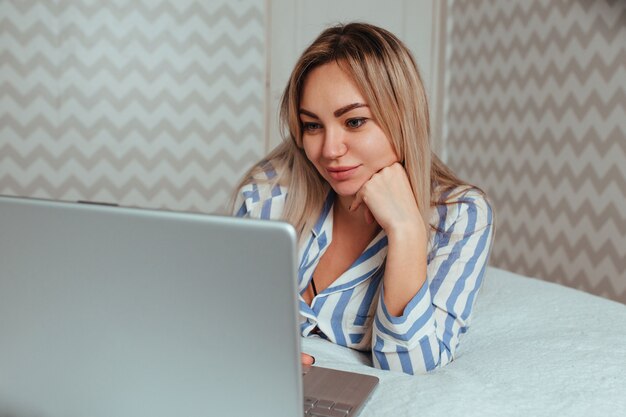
(533, 349)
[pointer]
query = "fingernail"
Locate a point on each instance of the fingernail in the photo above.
(313, 357)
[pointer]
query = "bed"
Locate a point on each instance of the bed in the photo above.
(534, 349)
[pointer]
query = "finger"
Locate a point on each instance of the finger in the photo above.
(307, 359)
(358, 200)
(369, 217)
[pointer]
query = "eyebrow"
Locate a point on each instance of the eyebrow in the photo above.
(337, 113)
(346, 109)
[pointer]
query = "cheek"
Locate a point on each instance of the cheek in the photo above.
(311, 150)
(312, 153)
(381, 153)
(392, 157)
(390, 153)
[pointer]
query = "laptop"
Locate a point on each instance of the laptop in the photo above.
(121, 312)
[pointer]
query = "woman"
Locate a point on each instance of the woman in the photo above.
(393, 246)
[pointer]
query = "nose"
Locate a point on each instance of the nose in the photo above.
(334, 144)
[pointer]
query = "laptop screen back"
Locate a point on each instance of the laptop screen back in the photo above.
(109, 311)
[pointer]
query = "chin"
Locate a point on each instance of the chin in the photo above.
(345, 190)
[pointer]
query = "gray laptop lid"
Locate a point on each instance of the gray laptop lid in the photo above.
(120, 312)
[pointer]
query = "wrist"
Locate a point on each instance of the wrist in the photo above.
(413, 233)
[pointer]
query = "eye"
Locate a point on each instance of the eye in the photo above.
(356, 122)
(310, 126)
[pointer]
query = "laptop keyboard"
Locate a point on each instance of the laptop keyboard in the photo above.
(315, 407)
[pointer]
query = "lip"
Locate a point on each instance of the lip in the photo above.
(341, 173)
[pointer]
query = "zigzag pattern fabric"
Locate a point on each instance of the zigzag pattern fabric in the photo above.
(535, 113)
(144, 103)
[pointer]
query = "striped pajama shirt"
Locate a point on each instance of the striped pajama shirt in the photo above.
(351, 311)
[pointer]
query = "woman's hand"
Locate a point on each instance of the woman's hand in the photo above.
(390, 201)
(307, 360)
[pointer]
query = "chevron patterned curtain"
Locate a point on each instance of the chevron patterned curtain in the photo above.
(536, 114)
(143, 103)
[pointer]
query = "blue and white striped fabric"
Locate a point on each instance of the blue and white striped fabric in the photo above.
(351, 311)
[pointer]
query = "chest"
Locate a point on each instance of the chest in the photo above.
(341, 253)
(339, 256)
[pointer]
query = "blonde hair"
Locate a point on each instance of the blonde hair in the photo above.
(385, 71)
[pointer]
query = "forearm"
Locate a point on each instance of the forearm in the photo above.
(427, 356)
(410, 343)
(427, 334)
(405, 269)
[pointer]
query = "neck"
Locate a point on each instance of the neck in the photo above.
(354, 220)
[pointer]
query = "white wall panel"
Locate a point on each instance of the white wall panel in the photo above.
(147, 103)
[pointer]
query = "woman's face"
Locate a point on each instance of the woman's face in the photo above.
(339, 135)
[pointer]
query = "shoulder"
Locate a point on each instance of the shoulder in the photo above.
(261, 196)
(463, 209)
